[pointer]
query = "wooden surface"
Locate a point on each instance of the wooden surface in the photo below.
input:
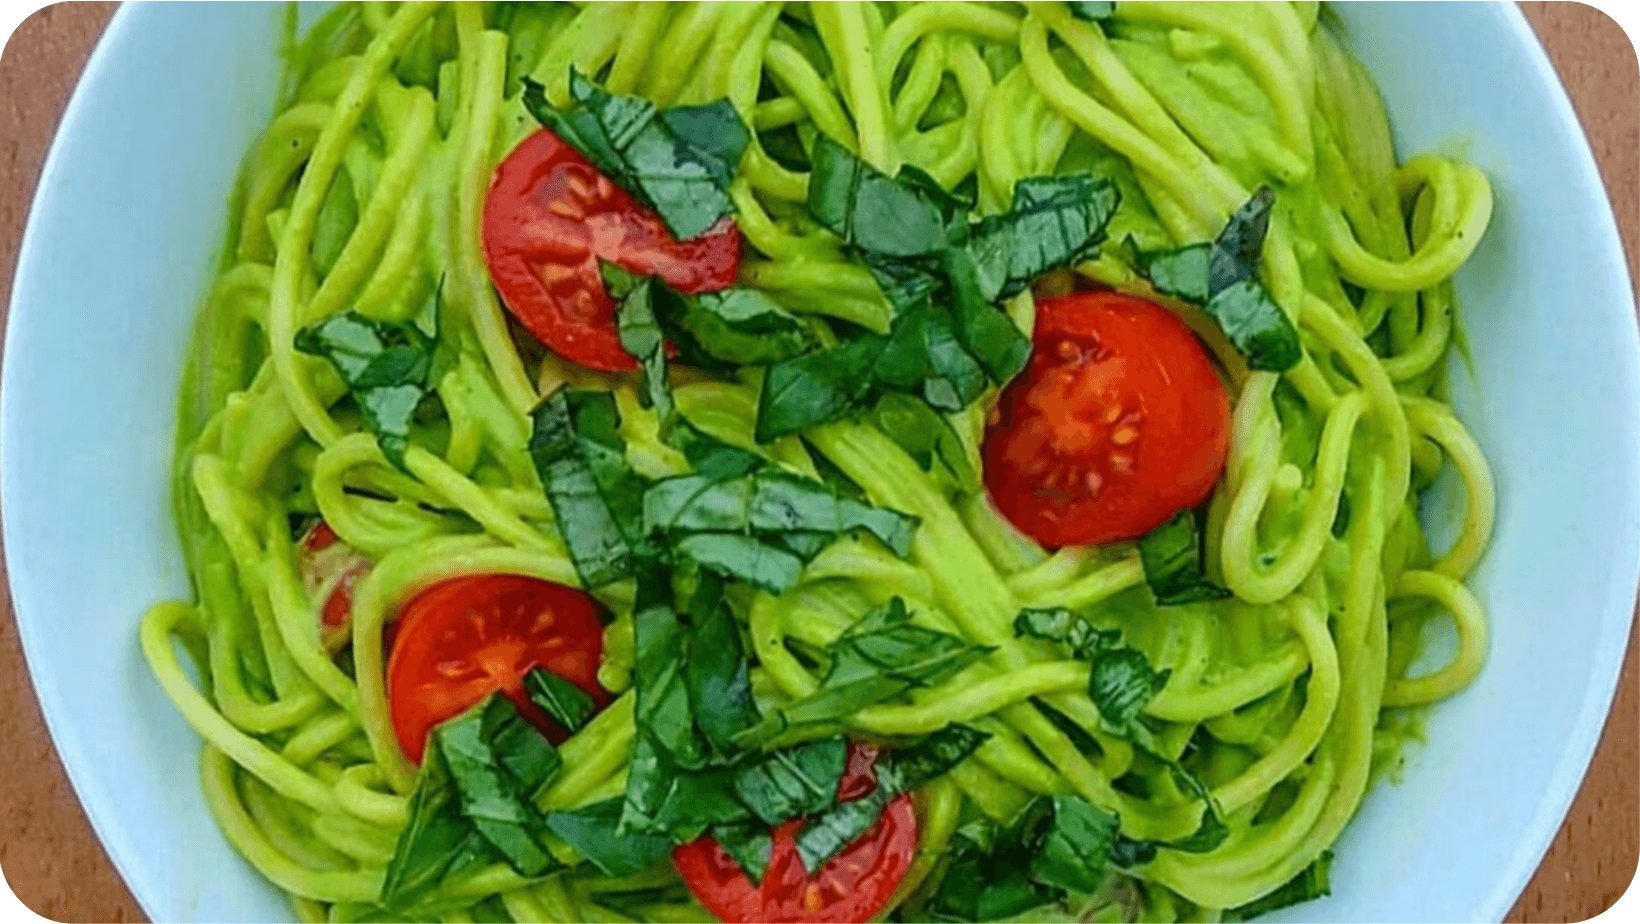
(53, 861)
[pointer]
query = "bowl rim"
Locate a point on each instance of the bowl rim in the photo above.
(1565, 781)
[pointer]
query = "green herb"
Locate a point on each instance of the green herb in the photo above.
(472, 803)
(641, 335)
(749, 843)
(1075, 840)
(1172, 558)
(716, 677)
(1222, 279)
(495, 759)
(436, 843)
(1053, 222)
(679, 161)
(917, 765)
(1314, 881)
(878, 658)
(591, 831)
(741, 326)
(829, 833)
(596, 497)
(794, 782)
(389, 367)
(870, 210)
(1058, 847)
(1092, 10)
(562, 701)
(948, 341)
(763, 526)
(926, 436)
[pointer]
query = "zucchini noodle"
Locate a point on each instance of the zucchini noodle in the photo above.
(1282, 697)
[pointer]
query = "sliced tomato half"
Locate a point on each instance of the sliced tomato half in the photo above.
(550, 217)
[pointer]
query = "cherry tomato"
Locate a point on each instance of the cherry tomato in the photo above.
(551, 216)
(1118, 422)
(327, 562)
(462, 639)
(855, 885)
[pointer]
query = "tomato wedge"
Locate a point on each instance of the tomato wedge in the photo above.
(550, 216)
(331, 567)
(462, 639)
(1118, 422)
(855, 885)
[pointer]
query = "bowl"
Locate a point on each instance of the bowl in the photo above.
(140, 175)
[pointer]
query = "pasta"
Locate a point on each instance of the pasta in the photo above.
(1286, 699)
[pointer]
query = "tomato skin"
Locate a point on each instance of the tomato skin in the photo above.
(550, 216)
(464, 638)
(1118, 422)
(855, 885)
(325, 560)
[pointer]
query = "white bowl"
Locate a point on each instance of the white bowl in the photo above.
(129, 221)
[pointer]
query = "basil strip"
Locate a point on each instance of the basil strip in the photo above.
(596, 497)
(640, 334)
(591, 831)
(1221, 278)
(1172, 557)
(389, 367)
(472, 803)
(562, 701)
(794, 782)
(1314, 881)
(1092, 10)
(1059, 846)
(679, 161)
(749, 844)
(878, 658)
(948, 341)
(436, 843)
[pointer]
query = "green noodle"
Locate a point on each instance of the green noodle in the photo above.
(1285, 691)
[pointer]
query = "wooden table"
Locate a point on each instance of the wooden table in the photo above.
(53, 861)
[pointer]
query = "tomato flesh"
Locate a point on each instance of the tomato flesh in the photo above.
(855, 885)
(1118, 422)
(326, 561)
(462, 639)
(550, 216)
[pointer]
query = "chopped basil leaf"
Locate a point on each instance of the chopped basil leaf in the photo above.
(926, 436)
(1172, 557)
(494, 759)
(591, 830)
(1127, 853)
(641, 335)
(389, 367)
(827, 834)
(1257, 326)
(1221, 278)
(745, 558)
(562, 701)
(919, 764)
(750, 845)
(869, 209)
(948, 341)
(596, 497)
(794, 782)
(764, 503)
(1081, 738)
(742, 326)
(1075, 840)
(679, 161)
(1120, 681)
(987, 334)
(716, 678)
(1313, 882)
(817, 388)
(710, 457)
(1057, 625)
(1237, 249)
(1092, 10)
(1059, 846)
(878, 658)
(436, 843)
(1053, 222)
